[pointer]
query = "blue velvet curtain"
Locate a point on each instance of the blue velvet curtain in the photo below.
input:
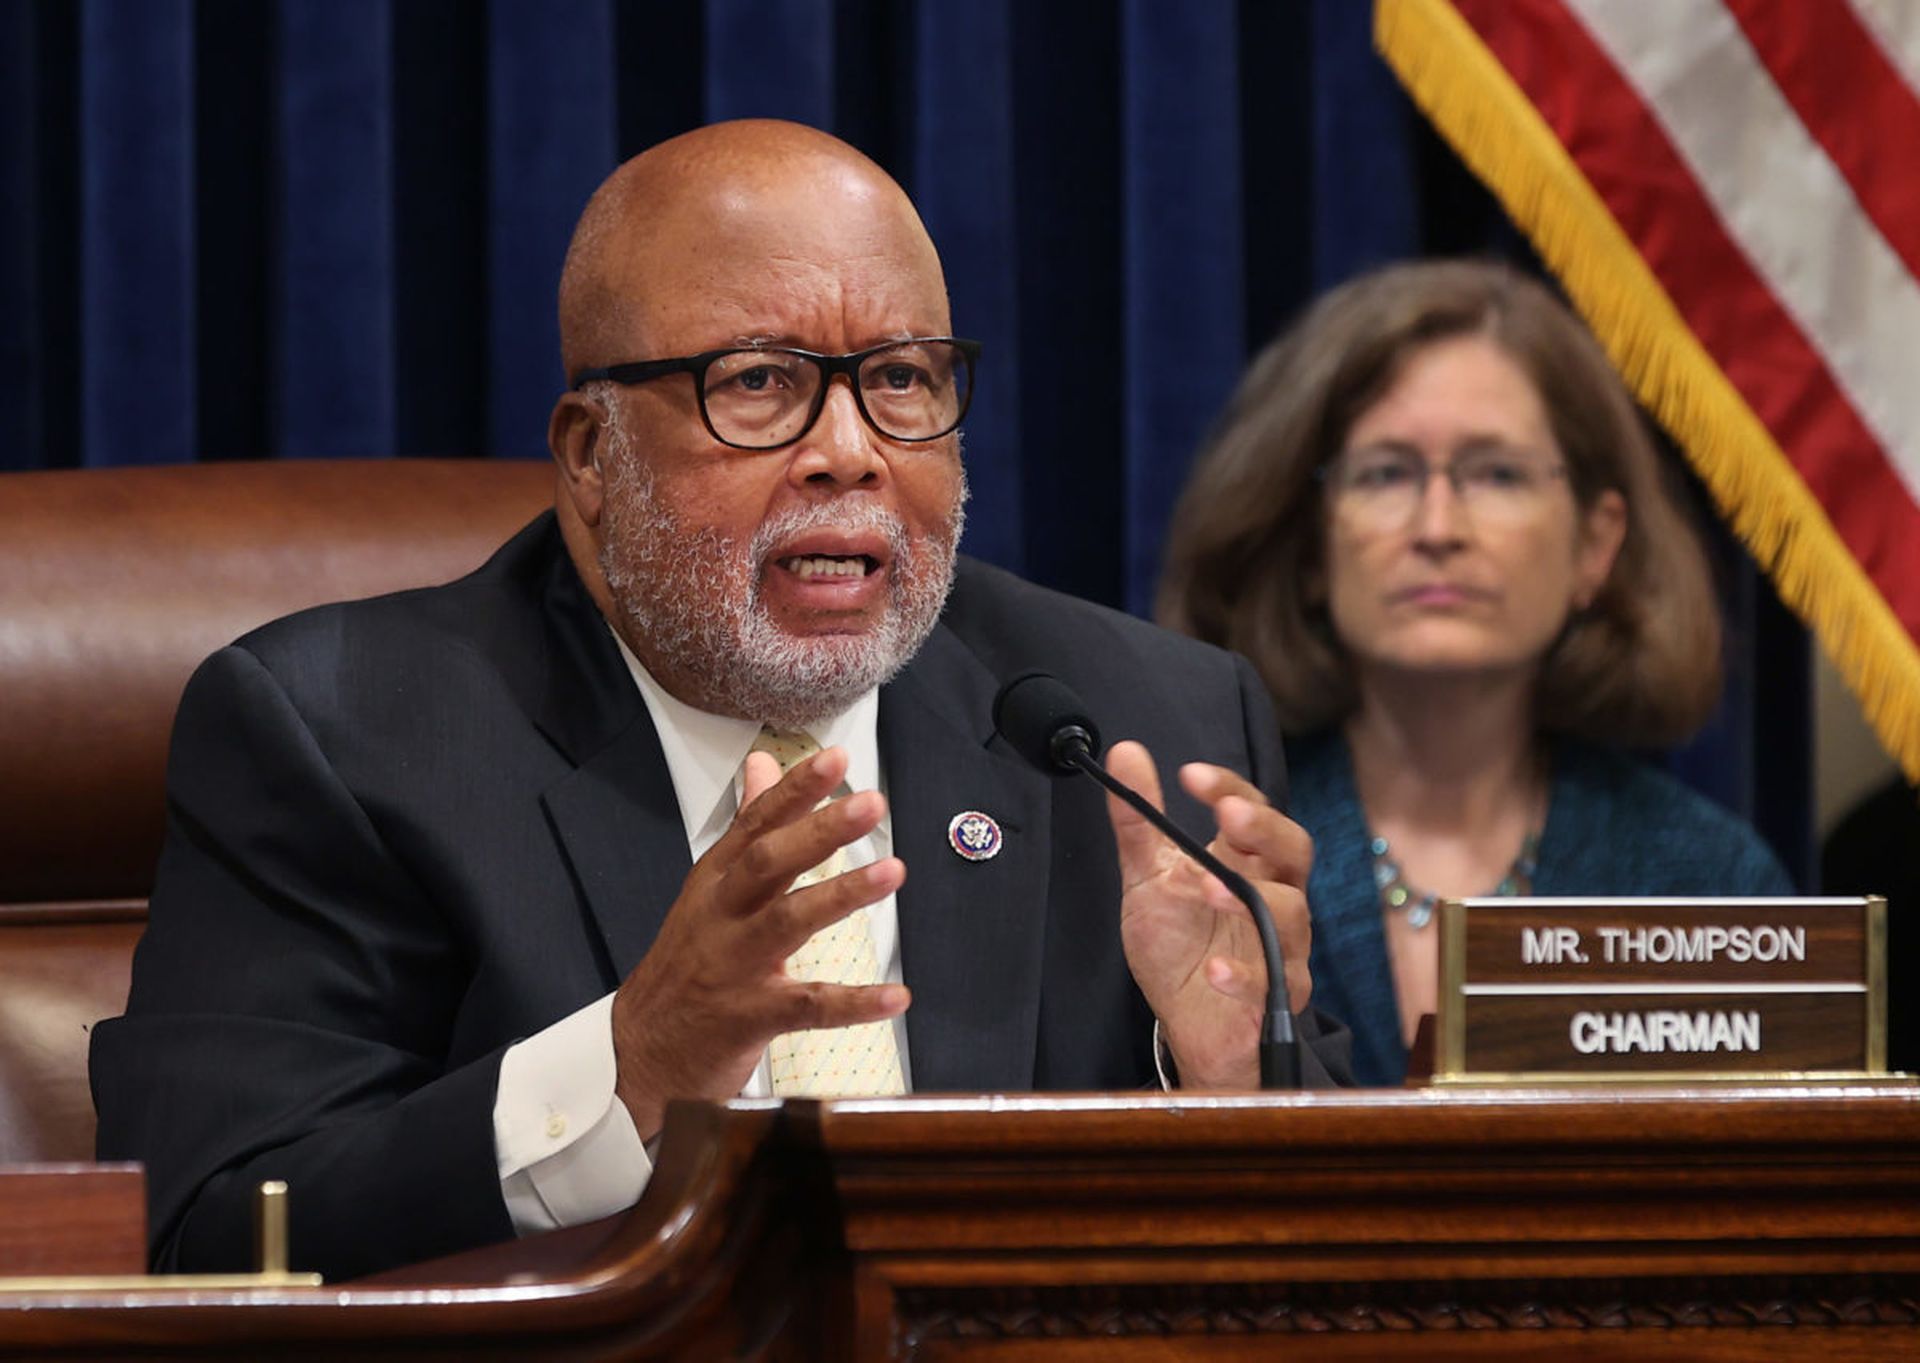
(326, 228)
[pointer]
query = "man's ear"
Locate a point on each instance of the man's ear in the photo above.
(576, 433)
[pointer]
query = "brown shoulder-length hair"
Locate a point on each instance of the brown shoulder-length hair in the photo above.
(1246, 553)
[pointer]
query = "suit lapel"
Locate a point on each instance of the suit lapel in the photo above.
(972, 933)
(616, 813)
(619, 820)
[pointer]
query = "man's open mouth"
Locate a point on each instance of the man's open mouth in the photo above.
(829, 565)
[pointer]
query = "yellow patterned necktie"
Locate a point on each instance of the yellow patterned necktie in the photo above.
(860, 1061)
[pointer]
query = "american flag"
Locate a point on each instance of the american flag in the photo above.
(1729, 191)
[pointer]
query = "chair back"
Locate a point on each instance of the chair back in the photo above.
(114, 585)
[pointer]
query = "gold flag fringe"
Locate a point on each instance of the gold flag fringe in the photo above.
(1470, 98)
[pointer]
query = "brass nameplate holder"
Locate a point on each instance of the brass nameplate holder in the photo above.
(270, 1251)
(1636, 989)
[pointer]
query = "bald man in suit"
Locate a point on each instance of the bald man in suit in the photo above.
(463, 885)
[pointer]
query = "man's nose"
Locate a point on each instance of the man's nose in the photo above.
(841, 448)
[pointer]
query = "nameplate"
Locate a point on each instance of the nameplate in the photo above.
(1608, 989)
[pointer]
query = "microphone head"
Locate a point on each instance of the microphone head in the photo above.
(1044, 720)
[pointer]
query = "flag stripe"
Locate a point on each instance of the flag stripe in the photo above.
(1895, 25)
(1626, 156)
(1781, 200)
(1850, 98)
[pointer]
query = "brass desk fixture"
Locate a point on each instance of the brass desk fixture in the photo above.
(270, 1257)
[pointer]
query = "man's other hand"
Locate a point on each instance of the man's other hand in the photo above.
(1191, 944)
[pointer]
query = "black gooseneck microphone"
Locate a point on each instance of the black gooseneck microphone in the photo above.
(1046, 723)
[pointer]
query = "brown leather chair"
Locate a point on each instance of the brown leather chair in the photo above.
(114, 584)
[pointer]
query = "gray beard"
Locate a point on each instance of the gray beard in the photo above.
(694, 596)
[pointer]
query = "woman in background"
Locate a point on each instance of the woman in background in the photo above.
(1433, 520)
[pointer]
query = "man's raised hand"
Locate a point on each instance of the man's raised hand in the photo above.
(694, 1016)
(1192, 947)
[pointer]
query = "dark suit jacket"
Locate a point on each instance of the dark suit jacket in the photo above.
(404, 833)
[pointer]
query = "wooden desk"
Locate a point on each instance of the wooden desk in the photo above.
(1582, 1224)
(1683, 1224)
(72, 1218)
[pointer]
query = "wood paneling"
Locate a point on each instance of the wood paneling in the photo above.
(1703, 1222)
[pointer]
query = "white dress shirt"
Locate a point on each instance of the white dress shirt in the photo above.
(567, 1148)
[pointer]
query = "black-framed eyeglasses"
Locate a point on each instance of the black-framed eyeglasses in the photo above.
(764, 397)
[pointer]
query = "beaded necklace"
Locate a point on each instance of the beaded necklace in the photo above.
(1396, 893)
